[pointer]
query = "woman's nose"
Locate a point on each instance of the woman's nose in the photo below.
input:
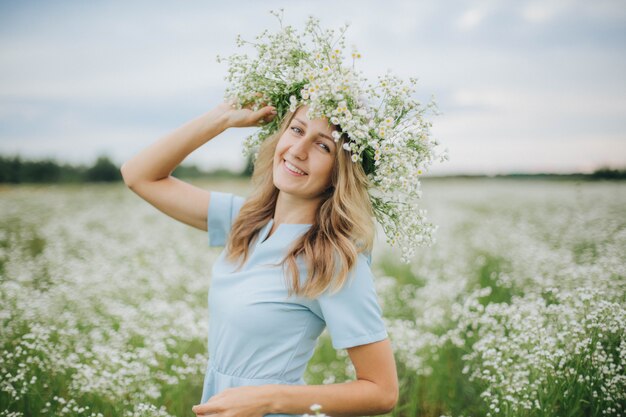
(300, 149)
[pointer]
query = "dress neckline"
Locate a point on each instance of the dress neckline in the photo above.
(290, 224)
(263, 236)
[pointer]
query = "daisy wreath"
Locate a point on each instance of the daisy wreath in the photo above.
(381, 125)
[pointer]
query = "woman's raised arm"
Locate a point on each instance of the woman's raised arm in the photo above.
(148, 174)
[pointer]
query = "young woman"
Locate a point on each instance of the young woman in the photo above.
(296, 261)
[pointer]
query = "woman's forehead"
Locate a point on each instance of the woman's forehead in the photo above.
(301, 115)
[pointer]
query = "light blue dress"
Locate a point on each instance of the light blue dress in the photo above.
(257, 335)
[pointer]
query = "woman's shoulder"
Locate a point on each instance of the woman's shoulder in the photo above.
(226, 199)
(222, 211)
(363, 267)
(366, 256)
(225, 206)
(360, 274)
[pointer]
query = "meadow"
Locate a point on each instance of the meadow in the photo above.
(518, 309)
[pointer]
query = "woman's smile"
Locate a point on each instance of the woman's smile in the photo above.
(292, 169)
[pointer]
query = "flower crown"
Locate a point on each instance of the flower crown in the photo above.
(389, 137)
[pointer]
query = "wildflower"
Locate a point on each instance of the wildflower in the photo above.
(389, 137)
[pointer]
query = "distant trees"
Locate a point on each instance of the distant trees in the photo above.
(249, 167)
(16, 170)
(103, 171)
(611, 174)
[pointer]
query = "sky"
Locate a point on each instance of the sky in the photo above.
(521, 86)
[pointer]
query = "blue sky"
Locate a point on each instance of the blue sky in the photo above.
(523, 86)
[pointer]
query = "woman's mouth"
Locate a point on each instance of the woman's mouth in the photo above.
(292, 169)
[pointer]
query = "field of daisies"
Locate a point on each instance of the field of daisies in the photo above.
(518, 309)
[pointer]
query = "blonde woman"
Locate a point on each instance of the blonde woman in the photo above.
(296, 260)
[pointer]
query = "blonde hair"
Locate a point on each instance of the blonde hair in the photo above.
(343, 226)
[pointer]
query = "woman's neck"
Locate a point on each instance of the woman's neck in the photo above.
(295, 209)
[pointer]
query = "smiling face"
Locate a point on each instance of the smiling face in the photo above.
(305, 156)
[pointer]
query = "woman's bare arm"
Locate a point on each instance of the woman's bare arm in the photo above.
(148, 173)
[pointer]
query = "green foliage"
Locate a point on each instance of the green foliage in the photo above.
(103, 170)
(609, 174)
(249, 169)
(96, 313)
(15, 170)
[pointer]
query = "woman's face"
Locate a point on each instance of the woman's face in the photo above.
(309, 146)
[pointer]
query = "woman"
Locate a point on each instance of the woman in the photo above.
(310, 209)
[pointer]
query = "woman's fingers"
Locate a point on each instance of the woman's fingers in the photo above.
(247, 116)
(267, 115)
(263, 103)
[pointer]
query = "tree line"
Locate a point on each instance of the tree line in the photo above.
(16, 170)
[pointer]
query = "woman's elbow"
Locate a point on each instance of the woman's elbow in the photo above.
(391, 400)
(125, 176)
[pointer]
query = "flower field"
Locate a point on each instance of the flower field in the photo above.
(518, 309)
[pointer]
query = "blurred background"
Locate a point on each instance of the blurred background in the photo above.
(523, 87)
(518, 309)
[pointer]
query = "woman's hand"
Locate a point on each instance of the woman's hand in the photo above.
(246, 401)
(246, 117)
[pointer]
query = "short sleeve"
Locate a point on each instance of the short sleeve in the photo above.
(352, 315)
(223, 210)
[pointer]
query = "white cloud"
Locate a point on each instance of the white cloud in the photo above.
(470, 19)
(471, 152)
(541, 103)
(521, 105)
(76, 143)
(538, 12)
(547, 10)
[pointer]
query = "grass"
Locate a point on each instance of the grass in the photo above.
(78, 273)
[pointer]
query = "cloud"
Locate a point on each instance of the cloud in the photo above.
(543, 103)
(505, 75)
(580, 153)
(538, 12)
(470, 19)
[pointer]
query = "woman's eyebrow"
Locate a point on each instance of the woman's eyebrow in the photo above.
(320, 134)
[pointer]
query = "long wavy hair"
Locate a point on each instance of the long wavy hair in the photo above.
(343, 226)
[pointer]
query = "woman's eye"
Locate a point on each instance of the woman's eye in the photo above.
(298, 130)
